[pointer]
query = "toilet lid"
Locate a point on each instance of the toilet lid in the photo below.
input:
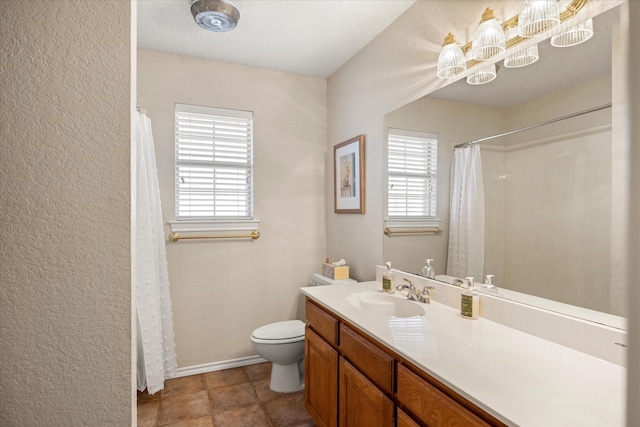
(280, 330)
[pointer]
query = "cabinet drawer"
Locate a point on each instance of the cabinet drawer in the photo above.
(370, 360)
(322, 322)
(430, 405)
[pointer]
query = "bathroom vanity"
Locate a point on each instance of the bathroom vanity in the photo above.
(372, 362)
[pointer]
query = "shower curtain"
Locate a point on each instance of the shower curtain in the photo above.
(466, 224)
(156, 347)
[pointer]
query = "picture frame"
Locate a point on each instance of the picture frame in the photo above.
(349, 176)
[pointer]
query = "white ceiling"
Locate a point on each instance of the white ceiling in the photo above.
(310, 37)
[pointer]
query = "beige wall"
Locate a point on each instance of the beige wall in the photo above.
(65, 305)
(222, 290)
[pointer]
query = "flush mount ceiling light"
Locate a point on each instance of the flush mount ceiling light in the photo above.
(215, 15)
(451, 61)
(489, 39)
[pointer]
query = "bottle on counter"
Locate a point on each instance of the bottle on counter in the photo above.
(488, 286)
(469, 300)
(387, 279)
(428, 270)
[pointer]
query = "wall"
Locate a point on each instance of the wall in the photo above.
(65, 258)
(222, 290)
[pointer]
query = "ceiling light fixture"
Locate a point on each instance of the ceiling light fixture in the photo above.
(489, 39)
(215, 15)
(451, 61)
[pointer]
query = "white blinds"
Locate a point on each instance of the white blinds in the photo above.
(412, 170)
(213, 163)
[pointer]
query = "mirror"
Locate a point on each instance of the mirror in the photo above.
(552, 194)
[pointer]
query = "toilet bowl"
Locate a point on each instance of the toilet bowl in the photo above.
(282, 343)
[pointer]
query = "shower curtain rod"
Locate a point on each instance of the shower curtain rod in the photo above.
(548, 122)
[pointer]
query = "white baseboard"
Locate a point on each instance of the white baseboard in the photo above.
(218, 366)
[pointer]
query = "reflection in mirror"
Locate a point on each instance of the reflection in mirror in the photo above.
(552, 199)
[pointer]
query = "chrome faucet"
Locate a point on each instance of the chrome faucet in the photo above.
(415, 295)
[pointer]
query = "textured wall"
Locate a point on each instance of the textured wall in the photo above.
(222, 289)
(65, 357)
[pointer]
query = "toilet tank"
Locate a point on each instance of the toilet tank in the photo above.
(319, 280)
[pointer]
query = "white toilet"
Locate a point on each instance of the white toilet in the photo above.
(282, 343)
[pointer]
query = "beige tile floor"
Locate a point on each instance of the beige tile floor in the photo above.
(238, 397)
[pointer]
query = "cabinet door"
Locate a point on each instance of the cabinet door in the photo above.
(320, 380)
(361, 402)
(405, 420)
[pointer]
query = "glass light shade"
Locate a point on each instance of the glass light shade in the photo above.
(489, 39)
(575, 35)
(483, 75)
(451, 61)
(538, 16)
(523, 57)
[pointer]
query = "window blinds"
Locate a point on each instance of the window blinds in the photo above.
(412, 170)
(213, 163)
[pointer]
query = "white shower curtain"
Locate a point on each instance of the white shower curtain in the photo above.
(466, 224)
(156, 347)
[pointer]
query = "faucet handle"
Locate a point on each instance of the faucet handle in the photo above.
(411, 285)
(427, 288)
(426, 294)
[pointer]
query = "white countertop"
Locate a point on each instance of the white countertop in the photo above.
(519, 378)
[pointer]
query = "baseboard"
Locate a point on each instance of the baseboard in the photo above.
(218, 366)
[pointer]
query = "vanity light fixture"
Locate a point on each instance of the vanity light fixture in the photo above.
(492, 39)
(575, 35)
(489, 39)
(451, 61)
(523, 57)
(538, 16)
(483, 75)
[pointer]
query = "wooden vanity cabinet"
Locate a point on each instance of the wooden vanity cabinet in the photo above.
(320, 380)
(361, 402)
(405, 420)
(353, 381)
(430, 405)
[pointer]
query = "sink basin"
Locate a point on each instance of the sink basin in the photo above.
(385, 305)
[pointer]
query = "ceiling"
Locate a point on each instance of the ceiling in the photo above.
(309, 37)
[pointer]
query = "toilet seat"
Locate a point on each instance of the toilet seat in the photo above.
(279, 333)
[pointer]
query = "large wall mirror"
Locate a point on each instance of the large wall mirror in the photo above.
(554, 195)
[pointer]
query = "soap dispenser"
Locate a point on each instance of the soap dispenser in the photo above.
(387, 279)
(428, 271)
(488, 286)
(469, 300)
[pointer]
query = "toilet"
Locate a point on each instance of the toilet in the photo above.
(282, 343)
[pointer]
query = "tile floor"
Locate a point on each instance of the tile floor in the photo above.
(238, 397)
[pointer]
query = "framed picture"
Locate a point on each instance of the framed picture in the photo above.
(348, 176)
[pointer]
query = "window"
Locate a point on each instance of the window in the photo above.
(213, 163)
(412, 169)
